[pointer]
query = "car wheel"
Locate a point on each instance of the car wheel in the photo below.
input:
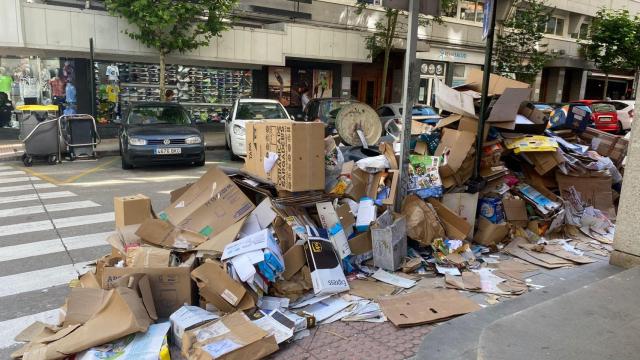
(125, 164)
(621, 130)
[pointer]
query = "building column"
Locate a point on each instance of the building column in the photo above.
(346, 72)
(626, 243)
(557, 93)
(583, 84)
(537, 83)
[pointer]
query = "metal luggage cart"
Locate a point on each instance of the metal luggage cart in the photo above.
(40, 133)
(80, 135)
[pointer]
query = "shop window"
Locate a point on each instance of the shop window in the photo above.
(471, 10)
(206, 93)
(458, 70)
(555, 26)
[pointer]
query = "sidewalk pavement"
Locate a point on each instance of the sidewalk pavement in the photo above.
(11, 150)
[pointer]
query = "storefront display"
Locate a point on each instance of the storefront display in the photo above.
(34, 80)
(295, 86)
(205, 92)
(280, 84)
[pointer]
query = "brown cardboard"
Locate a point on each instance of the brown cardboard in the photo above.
(175, 194)
(131, 210)
(209, 206)
(605, 144)
(359, 182)
(458, 143)
(421, 148)
(515, 211)
(537, 117)
(148, 256)
(164, 234)
(424, 307)
(504, 110)
(347, 219)
(361, 243)
(219, 241)
(235, 328)
(497, 84)
(294, 260)
(393, 186)
(418, 128)
(423, 224)
(387, 150)
(370, 289)
(170, 286)
(123, 238)
(463, 205)
(121, 313)
(217, 287)
(490, 234)
(82, 303)
(284, 233)
(544, 162)
(455, 226)
(594, 189)
(300, 150)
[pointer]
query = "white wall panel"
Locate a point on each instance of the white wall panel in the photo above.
(326, 44)
(312, 46)
(58, 28)
(243, 45)
(81, 30)
(259, 46)
(10, 27)
(35, 29)
(106, 33)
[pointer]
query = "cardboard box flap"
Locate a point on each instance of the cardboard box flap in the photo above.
(454, 101)
(148, 256)
(458, 144)
(515, 211)
(490, 234)
(164, 234)
(140, 282)
(497, 84)
(226, 237)
(215, 284)
(455, 226)
(82, 304)
(122, 314)
(209, 206)
(505, 109)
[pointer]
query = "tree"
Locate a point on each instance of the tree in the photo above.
(386, 29)
(612, 42)
(518, 51)
(169, 26)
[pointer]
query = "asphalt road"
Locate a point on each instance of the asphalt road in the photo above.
(53, 222)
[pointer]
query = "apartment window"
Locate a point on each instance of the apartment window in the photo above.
(471, 10)
(555, 26)
(451, 10)
(583, 32)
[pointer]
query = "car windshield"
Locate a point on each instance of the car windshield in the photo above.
(260, 111)
(421, 111)
(603, 107)
(151, 115)
(331, 108)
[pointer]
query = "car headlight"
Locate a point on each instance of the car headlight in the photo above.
(137, 141)
(238, 130)
(193, 140)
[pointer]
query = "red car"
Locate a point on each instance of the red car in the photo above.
(604, 115)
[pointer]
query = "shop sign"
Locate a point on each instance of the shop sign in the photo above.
(452, 55)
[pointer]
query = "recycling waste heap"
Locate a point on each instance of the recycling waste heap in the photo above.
(244, 261)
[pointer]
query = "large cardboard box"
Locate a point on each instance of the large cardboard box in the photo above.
(497, 84)
(209, 206)
(131, 210)
(300, 153)
(219, 289)
(389, 241)
(458, 144)
(170, 286)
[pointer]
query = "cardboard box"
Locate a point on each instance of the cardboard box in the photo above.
(544, 162)
(209, 206)
(232, 337)
(505, 108)
(497, 84)
(464, 205)
(187, 318)
(455, 226)
(515, 211)
(361, 243)
(490, 234)
(326, 271)
(131, 210)
(300, 153)
(389, 242)
(594, 188)
(217, 287)
(538, 118)
(458, 144)
(164, 234)
(605, 144)
(170, 286)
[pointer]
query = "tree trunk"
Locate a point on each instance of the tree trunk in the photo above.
(162, 88)
(606, 86)
(636, 78)
(385, 69)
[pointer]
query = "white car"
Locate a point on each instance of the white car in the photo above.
(247, 110)
(625, 110)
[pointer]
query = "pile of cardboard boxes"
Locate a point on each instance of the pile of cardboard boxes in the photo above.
(243, 261)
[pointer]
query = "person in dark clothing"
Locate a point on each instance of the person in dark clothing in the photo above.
(6, 107)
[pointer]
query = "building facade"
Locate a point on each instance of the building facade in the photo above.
(277, 48)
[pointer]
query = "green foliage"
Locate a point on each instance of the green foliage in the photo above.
(168, 25)
(518, 52)
(614, 40)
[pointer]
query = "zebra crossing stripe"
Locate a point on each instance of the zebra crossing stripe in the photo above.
(38, 209)
(17, 179)
(10, 328)
(52, 246)
(41, 279)
(26, 187)
(10, 173)
(30, 197)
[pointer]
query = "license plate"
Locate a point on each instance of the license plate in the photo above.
(606, 119)
(168, 151)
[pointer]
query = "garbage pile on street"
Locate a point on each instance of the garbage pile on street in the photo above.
(243, 261)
